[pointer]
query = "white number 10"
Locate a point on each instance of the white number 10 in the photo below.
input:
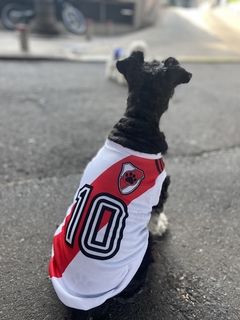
(102, 229)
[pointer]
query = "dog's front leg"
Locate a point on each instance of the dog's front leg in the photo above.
(158, 223)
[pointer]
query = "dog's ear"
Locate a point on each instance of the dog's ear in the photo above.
(138, 56)
(170, 62)
(175, 73)
(124, 65)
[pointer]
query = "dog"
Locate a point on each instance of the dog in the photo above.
(103, 248)
(119, 53)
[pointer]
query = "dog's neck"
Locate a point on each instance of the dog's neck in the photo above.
(139, 129)
(144, 107)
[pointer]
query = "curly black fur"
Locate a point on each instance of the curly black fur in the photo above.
(151, 85)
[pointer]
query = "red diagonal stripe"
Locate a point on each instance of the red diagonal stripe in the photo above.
(107, 182)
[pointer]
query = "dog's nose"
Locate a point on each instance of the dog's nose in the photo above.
(188, 77)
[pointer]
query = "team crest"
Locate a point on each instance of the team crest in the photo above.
(129, 178)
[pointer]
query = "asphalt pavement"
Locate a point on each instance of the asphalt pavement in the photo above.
(56, 114)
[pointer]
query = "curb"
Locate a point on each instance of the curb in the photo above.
(104, 58)
(73, 58)
(210, 59)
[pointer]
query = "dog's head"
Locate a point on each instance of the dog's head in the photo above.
(155, 79)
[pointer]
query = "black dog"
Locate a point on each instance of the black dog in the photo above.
(103, 248)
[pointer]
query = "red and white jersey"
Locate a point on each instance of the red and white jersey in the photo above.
(101, 243)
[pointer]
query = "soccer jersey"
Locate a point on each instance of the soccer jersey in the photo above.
(101, 243)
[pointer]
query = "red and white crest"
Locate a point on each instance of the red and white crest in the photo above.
(129, 178)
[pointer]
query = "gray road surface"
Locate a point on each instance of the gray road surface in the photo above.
(53, 118)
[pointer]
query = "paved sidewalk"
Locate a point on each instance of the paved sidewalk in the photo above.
(71, 47)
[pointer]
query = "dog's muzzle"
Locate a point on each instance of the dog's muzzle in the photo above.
(186, 77)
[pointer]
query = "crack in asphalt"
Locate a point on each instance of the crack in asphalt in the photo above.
(201, 154)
